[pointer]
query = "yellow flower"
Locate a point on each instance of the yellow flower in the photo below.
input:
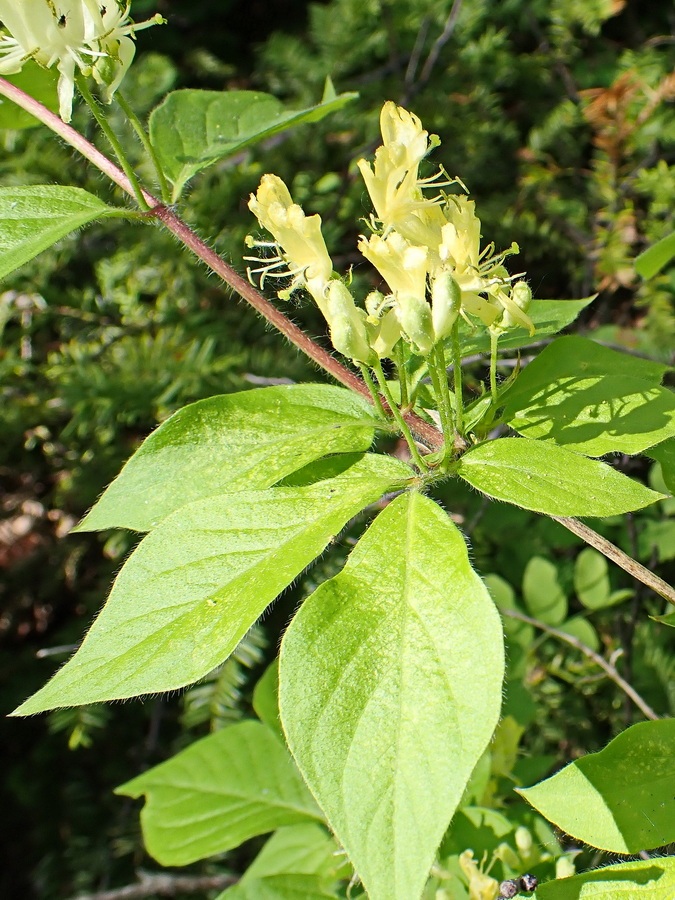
(74, 35)
(393, 182)
(299, 237)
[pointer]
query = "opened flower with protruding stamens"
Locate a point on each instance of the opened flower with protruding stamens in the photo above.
(299, 238)
(74, 35)
(393, 181)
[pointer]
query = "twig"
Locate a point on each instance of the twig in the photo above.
(439, 43)
(150, 885)
(623, 560)
(641, 704)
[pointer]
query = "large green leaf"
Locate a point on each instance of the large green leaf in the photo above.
(221, 791)
(548, 317)
(306, 850)
(551, 479)
(651, 879)
(621, 799)
(33, 217)
(196, 584)
(654, 258)
(192, 129)
(390, 689)
(37, 81)
(230, 442)
(590, 398)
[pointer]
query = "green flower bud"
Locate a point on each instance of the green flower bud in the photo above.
(446, 300)
(414, 315)
(347, 324)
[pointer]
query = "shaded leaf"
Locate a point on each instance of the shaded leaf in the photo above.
(652, 879)
(591, 581)
(621, 799)
(247, 440)
(587, 397)
(542, 592)
(221, 791)
(37, 81)
(406, 618)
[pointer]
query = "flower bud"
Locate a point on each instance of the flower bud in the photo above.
(414, 314)
(446, 300)
(347, 323)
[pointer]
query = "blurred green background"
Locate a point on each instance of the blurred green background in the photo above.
(559, 117)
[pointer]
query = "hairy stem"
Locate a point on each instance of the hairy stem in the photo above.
(400, 421)
(377, 400)
(607, 667)
(143, 137)
(456, 377)
(494, 340)
(439, 382)
(118, 150)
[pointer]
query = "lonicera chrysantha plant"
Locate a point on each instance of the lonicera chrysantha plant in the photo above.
(390, 674)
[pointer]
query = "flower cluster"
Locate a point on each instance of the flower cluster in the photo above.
(94, 37)
(427, 250)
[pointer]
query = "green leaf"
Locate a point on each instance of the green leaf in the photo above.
(665, 620)
(407, 618)
(581, 628)
(196, 584)
(621, 799)
(231, 442)
(297, 863)
(34, 217)
(193, 129)
(548, 316)
(590, 398)
(221, 791)
(280, 887)
(664, 454)
(37, 81)
(266, 699)
(305, 849)
(551, 479)
(591, 579)
(654, 258)
(652, 879)
(544, 597)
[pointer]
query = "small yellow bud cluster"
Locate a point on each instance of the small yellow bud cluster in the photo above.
(427, 250)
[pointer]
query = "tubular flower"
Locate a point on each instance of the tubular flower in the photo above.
(393, 182)
(74, 35)
(302, 249)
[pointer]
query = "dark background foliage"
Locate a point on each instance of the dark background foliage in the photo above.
(557, 115)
